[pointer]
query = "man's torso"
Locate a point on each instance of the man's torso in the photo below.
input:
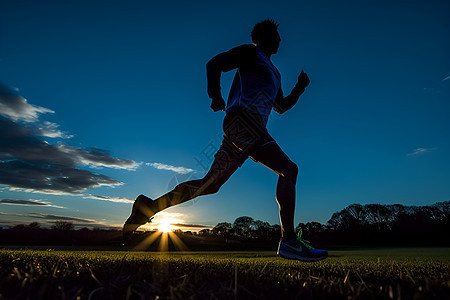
(255, 86)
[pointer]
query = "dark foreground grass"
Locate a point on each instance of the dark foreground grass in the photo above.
(364, 274)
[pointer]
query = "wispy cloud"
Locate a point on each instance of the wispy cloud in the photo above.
(30, 202)
(50, 219)
(110, 199)
(179, 170)
(446, 78)
(196, 226)
(96, 157)
(420, 151)
(51, 130)
(74, 194)
(15, 107)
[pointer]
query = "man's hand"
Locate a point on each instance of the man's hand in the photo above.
(218, 104)
(303, 79)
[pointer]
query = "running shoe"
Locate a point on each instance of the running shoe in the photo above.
(142, 212)
(299, 249)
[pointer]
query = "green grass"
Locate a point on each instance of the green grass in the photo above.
(366, 274)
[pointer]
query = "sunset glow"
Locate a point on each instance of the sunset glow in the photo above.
(164, 222)
(166, 227)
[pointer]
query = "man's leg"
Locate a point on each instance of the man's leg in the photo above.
(223, 166)
(274, 158)
(290, 246)
(221, 169)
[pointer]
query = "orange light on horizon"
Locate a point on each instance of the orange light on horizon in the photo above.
(163, 223)
(163, 243)
(166, 227)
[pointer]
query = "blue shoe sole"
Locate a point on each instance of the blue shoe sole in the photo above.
(296, 256)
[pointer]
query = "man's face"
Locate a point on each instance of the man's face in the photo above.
(270, 42)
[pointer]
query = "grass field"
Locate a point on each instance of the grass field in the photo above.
(408, 273)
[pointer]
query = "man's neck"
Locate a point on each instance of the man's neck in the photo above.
(267, 53)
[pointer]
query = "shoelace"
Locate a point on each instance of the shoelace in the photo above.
(302, 241)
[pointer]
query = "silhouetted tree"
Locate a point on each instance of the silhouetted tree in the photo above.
(275, 231)
(204, 232)
(34, 225)
(310, 229)
(63, 225)
(242, 226)
(261, 230)
(19, 227)
(341, 221)
(377, 216)
(222, 229)
(358, 214)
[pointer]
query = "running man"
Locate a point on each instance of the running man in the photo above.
(255, 91)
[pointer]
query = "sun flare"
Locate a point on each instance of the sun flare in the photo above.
(164, 222)
(162, 227)
(166, 227)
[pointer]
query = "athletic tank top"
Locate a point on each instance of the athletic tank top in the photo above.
(255, 87)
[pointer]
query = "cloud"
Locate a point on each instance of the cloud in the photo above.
(179, 170)
(30, 163)
(196, 226)
(30, 202)
(446, 78)
(96, 157)
(17, 108)
(110, 199)
(51, 130)
(420, 151)
(38, 171)
(50, 217)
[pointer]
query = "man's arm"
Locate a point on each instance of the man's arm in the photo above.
(283, 104)
(225, 62)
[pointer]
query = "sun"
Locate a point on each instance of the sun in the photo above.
(165, 222)
(165, 227)
(162, 227)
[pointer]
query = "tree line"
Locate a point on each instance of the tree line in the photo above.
(371, 224)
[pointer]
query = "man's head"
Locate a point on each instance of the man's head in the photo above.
(265, 35)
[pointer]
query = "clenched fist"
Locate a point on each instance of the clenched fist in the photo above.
(303, 79)
(218, 104)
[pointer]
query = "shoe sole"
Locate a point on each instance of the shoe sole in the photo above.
(294, 256)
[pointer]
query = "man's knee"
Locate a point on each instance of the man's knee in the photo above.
(211, 186)
(212, 189)
(291, 171)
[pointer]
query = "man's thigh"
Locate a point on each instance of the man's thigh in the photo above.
(226, 162)
(271, 156)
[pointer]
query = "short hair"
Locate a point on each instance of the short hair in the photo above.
(263, 28)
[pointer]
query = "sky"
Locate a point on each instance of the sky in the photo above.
(101, 101)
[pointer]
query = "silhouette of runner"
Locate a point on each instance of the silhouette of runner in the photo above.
(255, 91)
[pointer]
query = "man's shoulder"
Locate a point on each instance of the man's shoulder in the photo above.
(246, 49)
(247, 46)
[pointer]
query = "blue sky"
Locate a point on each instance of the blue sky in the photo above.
(116, 98)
